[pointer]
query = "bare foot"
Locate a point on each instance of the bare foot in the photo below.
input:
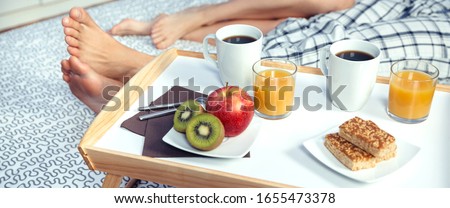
(131, 27)
(167, 29)
(98, 49)
(91, 88)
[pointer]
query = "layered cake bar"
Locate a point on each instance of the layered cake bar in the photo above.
(348, 154)
(368, 136)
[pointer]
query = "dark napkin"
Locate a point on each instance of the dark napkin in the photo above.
(155, 129)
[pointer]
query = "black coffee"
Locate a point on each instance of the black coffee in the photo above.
(239, 39)
(354, 55)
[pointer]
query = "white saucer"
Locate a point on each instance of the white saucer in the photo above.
(405, 153)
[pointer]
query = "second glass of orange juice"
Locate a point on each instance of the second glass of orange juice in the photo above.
(274, 84)
(411, 89)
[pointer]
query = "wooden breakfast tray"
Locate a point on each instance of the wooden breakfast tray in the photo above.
(118, 164)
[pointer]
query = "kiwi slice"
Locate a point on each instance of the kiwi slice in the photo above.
(205, 132)
(184, 113)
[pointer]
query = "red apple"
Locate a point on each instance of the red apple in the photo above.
(234, 108)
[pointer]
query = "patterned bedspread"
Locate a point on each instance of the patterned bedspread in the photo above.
(41, 122)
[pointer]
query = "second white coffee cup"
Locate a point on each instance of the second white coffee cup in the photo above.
(351, 72)
(238, 48)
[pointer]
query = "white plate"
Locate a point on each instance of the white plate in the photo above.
(235, 147)
(405, 152)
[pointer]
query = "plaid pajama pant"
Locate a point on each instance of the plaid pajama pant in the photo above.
(414, 29)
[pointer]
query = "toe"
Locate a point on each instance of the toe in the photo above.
(72, 41)
(65, 66)
(156, 38)
(155, 29)
(75, 13)
(159, 44)
(79, 67)
(66, 77)
(73, 51)
(81, 16)
(115, 30)
(71, 32)
(162, 45)
(159, 41)
(69, 22)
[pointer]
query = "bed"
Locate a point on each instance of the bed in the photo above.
(41, 122)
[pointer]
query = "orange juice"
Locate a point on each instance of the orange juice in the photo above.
(274, 92)
(410, 94)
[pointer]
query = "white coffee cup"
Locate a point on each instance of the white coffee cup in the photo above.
(350, 82)
(235, 60)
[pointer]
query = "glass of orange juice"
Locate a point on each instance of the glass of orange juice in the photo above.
(274, 84)
(411, 89)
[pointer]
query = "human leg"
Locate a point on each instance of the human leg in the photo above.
(88, 42)
(264, 25)
(166, 29)
(270, 9)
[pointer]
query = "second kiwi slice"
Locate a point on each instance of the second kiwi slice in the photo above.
(205, 132)
(185, 112)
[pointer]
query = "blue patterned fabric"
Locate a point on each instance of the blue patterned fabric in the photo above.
(416, 29)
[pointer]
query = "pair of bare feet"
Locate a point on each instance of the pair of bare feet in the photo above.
(161, 29)
(98, 60)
